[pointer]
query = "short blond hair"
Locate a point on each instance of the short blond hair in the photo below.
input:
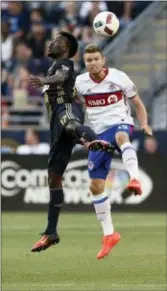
(92, 48)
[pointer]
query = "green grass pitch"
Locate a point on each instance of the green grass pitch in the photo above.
(138, 262)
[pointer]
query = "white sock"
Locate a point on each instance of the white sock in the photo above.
(130, 160)
(103, 212)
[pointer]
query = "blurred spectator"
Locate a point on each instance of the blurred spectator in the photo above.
(87, 13)
(36, 40)
(88, 6)
(91, 9)
(38, 66)
(18, 17)
(4, 80)
(7, 41)
(71, 20)
(150, 145)
(22, 83)
(23, 58)
(54, 12)
(126, 17)
(20, 57)
(36, 15)
(4, 115)
(127, 10)
(32, 144)
(123, 10)
(18, 68)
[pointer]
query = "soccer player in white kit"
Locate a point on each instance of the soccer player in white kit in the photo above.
(107, 92)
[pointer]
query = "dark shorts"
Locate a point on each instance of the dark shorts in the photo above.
(61, 142)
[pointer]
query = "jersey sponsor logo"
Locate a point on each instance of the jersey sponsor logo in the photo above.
(103, 99)
(100, 102)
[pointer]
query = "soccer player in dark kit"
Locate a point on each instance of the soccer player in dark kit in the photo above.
(66, 127)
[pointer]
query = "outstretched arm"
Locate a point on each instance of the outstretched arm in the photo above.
(141, 114)
(59, 78)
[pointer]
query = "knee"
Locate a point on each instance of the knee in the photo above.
(121, 137)
(71, 126)
(55, 181)
(97, 186)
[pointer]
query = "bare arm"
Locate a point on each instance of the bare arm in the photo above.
(59, 78)
(141, 114)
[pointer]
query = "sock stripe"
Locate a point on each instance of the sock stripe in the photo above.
(128, 148)
(100, 201)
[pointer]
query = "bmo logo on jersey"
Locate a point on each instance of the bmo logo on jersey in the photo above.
(100, 102)
(103, 99)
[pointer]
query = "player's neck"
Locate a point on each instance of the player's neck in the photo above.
(59, 58)
(100, 76)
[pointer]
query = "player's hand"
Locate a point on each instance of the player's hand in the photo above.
(36, 81)
(147, 130)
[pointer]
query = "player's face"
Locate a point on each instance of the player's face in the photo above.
(94, 62)
(57, 47)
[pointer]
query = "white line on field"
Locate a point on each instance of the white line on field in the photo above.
(79, 226)
(85, 285)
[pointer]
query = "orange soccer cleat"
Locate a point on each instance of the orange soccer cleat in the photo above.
(134, 186)
(109, 241)
(45, 242)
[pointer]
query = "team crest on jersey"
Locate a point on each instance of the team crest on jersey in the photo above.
(112, 87)
(65, 68)
(88, 91)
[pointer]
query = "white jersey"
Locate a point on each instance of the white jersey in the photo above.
(107, 100)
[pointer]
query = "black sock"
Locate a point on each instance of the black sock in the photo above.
(86, 133)
(55, 205)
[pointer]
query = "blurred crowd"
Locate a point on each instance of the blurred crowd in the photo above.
(27, 28)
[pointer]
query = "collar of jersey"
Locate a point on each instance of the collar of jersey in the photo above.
(99, 81)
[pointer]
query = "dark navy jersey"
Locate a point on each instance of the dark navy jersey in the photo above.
(55, 94)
